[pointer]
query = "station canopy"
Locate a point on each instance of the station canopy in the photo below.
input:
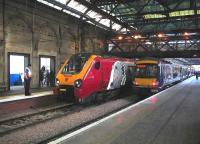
(151, 23)
(144, 16)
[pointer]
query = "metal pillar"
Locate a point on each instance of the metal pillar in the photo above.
(3, 42)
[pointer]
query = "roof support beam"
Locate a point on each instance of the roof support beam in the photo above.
(159, 54)
(110, 2)
(178, 4)
(68, 1)
(155, 12)
(163, 4)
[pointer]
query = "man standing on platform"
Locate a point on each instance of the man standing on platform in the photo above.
(27, 79)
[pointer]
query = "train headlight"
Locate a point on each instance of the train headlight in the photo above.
(57, 82)
(155, 83)
(135, 82)
(78, 83)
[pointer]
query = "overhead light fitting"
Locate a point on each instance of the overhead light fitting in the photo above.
(186, 34)
(120, 37)
(160, 35)
(136, 36)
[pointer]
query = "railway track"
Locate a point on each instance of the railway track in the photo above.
(10, 125)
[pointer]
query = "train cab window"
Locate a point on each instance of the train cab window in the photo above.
(146, 70)
(75, 64)
(97, 65)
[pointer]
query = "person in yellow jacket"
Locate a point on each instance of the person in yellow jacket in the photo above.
(27, 79)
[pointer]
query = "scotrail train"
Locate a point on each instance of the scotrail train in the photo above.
(155, 74)
(86, 77)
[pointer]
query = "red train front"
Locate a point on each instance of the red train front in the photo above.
(97, 75)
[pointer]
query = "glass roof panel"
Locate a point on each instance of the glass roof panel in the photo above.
(93, 14)
(50, 4)
(71, 13)
(62, 1)
(116, 26)
(77, 6)
(123, 30)
(105, 22)
(97, 17)
(80, 8)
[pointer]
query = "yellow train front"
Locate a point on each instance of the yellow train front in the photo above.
(72, 74)
(147, 76)
(155, 74)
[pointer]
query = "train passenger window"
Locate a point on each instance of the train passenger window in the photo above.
(97, 65)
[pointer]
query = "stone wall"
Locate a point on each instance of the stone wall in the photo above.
(36, 29)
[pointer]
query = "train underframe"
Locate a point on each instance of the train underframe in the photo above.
(67, 93)
(147, 90)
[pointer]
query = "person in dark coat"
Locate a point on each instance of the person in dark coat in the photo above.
(197, 75)
(48, 78)
(52, 78)
(41, 74)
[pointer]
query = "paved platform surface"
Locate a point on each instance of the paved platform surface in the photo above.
(15, 104)
(170, 117)
(21, 91)
(23, 97)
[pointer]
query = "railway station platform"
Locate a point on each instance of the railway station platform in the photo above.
(169, 117)
(22, 96)
(19, 102)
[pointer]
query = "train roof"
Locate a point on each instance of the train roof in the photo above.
(152, 60)
(160, 60)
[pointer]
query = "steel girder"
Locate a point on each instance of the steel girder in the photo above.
(110, 2)
(186, 48)
(159, 54)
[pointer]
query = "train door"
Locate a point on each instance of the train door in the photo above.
(17, 64)
(47, 71)
(106, 70)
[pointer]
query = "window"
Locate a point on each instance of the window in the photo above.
(97, 65)
(75, 64)
(146, 70)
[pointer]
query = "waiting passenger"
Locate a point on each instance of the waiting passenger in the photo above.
(48, 78)
(41, 74)
(197, 75)
(52, 78)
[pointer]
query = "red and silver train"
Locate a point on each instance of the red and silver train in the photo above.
(86, 77)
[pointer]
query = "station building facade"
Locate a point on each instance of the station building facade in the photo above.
(34, 30)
